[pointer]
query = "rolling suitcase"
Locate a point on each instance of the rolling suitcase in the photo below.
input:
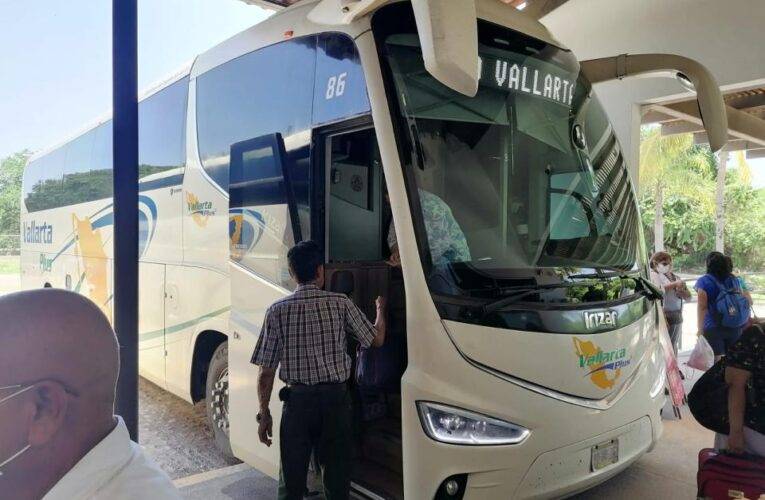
(722, 476)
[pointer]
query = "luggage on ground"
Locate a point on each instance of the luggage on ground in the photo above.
(708, 400)
(722, 476)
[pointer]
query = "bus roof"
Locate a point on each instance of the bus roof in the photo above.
(105, 117)
(291, 22)
(292, 19)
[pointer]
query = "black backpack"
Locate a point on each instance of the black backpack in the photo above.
(708, 400)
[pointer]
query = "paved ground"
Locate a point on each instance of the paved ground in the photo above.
(669, 471)
(174, 433)
(9, 283)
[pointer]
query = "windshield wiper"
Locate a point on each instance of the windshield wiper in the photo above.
(647, 288)
(601, 274)
(519, 294)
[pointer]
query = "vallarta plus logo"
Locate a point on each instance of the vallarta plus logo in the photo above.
(602, 367)
(38, 233)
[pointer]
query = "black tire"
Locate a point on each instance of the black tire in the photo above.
(216, 399)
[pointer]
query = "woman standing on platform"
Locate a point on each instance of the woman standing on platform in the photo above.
(675, 291)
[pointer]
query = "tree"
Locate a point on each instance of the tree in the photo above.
(745, 217)
(689, 204)
(11, 172)
(668, 162)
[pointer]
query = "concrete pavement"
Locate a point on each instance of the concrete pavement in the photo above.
(9, 283)
(669, 471)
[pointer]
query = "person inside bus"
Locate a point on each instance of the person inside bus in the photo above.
(446, 240)
(305, 336)
(708, 288)
(59, 438)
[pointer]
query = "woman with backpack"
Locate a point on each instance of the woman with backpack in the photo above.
(723, 308)
(675, 291)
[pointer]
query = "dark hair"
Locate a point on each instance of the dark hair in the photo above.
(719, 265)
(304, 260)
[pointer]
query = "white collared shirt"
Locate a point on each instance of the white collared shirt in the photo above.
(115, 469)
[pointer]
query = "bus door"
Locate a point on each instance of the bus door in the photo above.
(151, 322)
(264, 222)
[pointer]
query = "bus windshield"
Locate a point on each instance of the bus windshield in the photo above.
(525, 179)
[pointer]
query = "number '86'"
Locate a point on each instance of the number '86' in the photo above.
(336, 86)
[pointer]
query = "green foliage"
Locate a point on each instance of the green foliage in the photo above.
(10, 264)
(687, 174)
(79, 187)
(744, 221)
(11, 172)
(75, 188)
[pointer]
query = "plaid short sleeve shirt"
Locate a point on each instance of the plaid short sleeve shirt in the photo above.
(306, 335)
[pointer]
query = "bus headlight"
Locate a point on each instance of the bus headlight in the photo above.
(456, 426)
(661, 376)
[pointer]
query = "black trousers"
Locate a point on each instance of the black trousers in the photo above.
(316, 418)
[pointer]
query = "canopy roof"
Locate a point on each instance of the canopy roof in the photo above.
(538, 7)
(746, 120)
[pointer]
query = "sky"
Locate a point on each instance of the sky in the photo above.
(55, 58)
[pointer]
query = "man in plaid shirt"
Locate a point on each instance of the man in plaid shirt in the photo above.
(306, 333)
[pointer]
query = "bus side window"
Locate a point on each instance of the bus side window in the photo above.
(254, 116)
(340, 91)
(264, 220)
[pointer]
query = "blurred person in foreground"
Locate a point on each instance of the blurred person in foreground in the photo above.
(745, 376)
(59, 438)
(675, 292)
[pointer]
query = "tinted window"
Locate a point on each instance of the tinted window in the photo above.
(257, 177)
(254, 115)
(84, 179)
(161, 133)
(260, 93)
(340, 86)
(81, 170)
(43, 180)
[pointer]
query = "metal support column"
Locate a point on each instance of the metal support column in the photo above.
(125, 103)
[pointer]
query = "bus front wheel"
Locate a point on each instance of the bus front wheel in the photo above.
(217, 399)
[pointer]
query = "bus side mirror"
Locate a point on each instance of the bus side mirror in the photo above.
(689, 72)
(449, 39)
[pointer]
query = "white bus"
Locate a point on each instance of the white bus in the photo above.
(522, 356)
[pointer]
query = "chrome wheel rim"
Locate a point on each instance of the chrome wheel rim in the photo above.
(219, 402)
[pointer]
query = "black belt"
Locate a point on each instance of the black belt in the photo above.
(321, 388)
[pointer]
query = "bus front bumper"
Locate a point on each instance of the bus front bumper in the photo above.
(567, 470)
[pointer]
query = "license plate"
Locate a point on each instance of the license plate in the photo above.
(605, 454)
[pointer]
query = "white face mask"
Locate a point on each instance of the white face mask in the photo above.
(21, 390)
(664, 268)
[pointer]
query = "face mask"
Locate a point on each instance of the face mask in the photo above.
(663, 268)
(16, 455)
